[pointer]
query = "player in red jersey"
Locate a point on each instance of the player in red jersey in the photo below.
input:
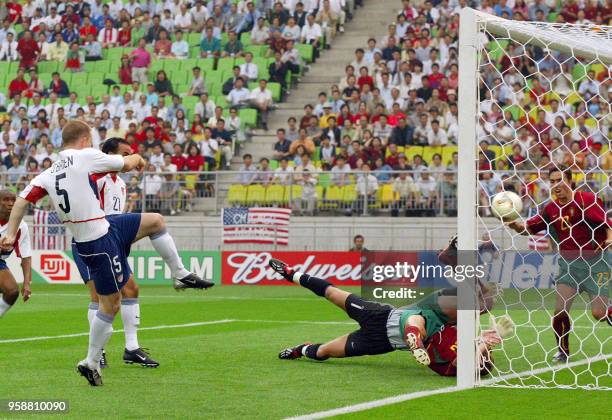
(582, 231)
(442, 347)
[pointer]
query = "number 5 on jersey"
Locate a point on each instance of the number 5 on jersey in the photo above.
(65, 206)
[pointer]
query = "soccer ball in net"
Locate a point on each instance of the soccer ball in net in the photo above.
(506, 205)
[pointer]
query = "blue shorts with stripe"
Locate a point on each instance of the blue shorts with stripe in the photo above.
(3, 265)
(105, 259)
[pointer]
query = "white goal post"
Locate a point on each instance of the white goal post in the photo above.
(484, 40)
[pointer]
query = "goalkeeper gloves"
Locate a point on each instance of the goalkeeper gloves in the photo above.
(503, 325)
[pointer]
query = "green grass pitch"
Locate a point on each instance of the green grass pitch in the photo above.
(226, 365)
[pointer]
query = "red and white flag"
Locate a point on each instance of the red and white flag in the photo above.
(256, 225)
(538, 242)
(48, 232)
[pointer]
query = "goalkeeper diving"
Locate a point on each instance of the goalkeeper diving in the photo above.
(426, 329)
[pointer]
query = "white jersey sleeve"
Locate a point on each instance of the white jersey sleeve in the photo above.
(23, 248)
(101, 162)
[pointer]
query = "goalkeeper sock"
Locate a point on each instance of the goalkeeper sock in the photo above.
(4, 307)
(562, 325)
(310, 351)
(166, 248)
(316, 285)
(130, 315)
(91, 311)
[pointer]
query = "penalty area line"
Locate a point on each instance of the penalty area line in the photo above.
(447, 390)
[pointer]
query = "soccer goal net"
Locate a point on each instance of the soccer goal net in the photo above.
(536, 96)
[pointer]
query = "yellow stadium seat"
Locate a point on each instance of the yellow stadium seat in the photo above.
(349, 193)
(333, 193)
(191, 181)
(237, 193)
(591, 122)
(429, 151)
(387, 196)
(256, 194)
(412, 151)
(572, 98)
(292, 192)
(497, 149)
(447, 153)
(275, 194)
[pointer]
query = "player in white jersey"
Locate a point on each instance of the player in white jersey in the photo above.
(9, 291)
(102, 241)
(112, 191)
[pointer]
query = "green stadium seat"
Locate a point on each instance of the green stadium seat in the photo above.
(98, 90)
(245, 38)
(225, 64)
(4, 67)
(221, 100)
(178, 77)
(95, 78)
(206, 64)
(275, 88)
(248, 117)
(306, 52)
(188, 64)
(256, 50)
(172, 65)
(47, 66)
(114, 54)
(193, 39)
(45, 78)
(79, 79)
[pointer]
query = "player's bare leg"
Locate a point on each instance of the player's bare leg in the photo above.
(130, 316)
(561, 322)
(9, 291)
(601, 309)
(154, 226)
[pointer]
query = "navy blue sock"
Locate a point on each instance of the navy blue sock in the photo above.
(316, 285)
(311, 352)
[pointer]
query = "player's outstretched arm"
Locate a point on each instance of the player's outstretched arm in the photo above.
(132, 162)
(19, 210)
(518, 227)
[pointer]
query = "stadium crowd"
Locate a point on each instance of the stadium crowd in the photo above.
(183, 82)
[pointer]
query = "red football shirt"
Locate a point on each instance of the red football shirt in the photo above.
(579, 226)
(442, 350)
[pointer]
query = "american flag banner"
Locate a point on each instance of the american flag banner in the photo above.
(48, 232)
(256, 225)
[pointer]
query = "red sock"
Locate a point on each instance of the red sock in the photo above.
(562, 325)
(415, 331)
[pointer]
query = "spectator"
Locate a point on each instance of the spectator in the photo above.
(151, 185)
(281, 147)
(224, 140)
(124, 35)
(278, 71)
(328, 20)
(340, 172)
(140, 60)
(436, 136)
(18, 85)
(209, 147)
(283, 175)
(93, 49)
(229, 83)
(303, 141)
(108, 36)
(125, 71)
(163, 46)
(260, 34)
(263, 175)
(35, 85)
(233, 47)
(205, 108)
(427, 191)
(239, 96)
(367, 186)
(28, 50)
(194, 162)
(162, 85)
(197, 86)
(261, 99)
(8, 48)
(311, 34)
(58, 86)
(210, 47)
(180, 47)
(246, 170)
(248, 69)
(306, 202)
(404, 191)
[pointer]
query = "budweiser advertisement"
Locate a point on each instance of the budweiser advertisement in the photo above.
(251, 267)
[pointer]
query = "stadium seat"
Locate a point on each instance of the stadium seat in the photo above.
(237, 194)
(95, 78)
(579, 72)
(248, 117)
(291, 192)
(306, 52)
(333, 195)
(412, 151)
(78, 79)
(349, 193)
(114, 54)
(447, 153)
(387, 195)
(188, 64)
(225, 64)
(47, 66)
(275, 195)
(256, 194)
(275, 88)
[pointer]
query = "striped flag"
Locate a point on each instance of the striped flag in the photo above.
(48, 232)
(538, 242)
(256, 225)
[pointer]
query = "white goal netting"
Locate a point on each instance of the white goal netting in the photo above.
(544, 96)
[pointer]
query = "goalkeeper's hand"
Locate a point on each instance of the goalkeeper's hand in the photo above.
(503, 325)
